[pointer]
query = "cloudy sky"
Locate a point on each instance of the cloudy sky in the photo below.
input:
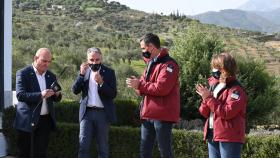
(188, 7)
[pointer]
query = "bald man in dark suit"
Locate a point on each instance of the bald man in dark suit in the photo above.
(35, 108)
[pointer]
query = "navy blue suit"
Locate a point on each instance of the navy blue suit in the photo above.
(94, 122)
(29, 96)
(107, 92)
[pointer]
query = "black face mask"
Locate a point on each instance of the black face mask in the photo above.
(216, 74)
(94, 67)
(146, 54)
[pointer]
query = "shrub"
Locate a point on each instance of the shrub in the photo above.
(68, 111)
(193, 51)
(126, 113)
(262, 146)
(124, 142)
(261, 88)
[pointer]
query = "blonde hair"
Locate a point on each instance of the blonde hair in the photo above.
(226, 62)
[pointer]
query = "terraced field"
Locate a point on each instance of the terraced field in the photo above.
(268, 52)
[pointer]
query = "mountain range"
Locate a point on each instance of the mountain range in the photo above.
(256, 15)
(260, 5)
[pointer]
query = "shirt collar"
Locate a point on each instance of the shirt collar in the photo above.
(36, 71)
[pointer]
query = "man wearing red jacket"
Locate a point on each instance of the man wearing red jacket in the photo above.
(160, 107)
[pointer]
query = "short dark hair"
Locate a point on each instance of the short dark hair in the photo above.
(151, 38)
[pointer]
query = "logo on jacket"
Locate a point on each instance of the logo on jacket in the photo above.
(169, 68)
(235, 95)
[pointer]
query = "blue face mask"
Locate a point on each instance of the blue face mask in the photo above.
(216, 73)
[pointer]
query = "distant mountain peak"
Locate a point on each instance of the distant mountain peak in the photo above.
(242, 19)
(260, 5)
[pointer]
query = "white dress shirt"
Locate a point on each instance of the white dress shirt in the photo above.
(93, 96)
(42, 83)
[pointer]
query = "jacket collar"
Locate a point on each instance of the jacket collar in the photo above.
(163, 53)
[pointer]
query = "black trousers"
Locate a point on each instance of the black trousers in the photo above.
(41, 139)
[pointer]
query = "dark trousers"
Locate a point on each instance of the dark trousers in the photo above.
(160, 131)
(41, 139)
(94, 124)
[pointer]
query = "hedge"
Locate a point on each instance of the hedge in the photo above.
(124, 142)
(68, 111)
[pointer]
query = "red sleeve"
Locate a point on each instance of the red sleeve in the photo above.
(204, 110)
(166, 80)
(236, 101)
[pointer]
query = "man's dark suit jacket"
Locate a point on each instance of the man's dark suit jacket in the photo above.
(29, 96)
(107, 91)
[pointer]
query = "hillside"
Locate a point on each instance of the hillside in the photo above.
(69, 27)
(273, 15)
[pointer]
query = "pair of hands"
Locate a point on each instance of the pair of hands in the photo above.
(132, 82)
(48, 93)
(202, 91)
(98, 78)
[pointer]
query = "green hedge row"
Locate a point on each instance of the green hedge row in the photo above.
(68, 111)
(124, 142)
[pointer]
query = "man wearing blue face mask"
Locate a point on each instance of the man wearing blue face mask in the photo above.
(159, 87)
(98, 86)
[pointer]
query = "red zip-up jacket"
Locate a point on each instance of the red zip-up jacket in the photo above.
(161, 91)
(229, 112)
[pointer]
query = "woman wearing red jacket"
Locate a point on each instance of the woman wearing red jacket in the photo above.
(224, 106)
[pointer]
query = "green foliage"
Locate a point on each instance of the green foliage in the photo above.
(124, 71)
(262, 146)
(191, 142)
(138, 66)
(8, 131)
(116, 29)
(274, 116)
(68, 111)
(124, 142)
(193, 51)
(126, 113)
(261, 88)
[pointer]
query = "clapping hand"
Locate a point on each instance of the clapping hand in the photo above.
(202, 91)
